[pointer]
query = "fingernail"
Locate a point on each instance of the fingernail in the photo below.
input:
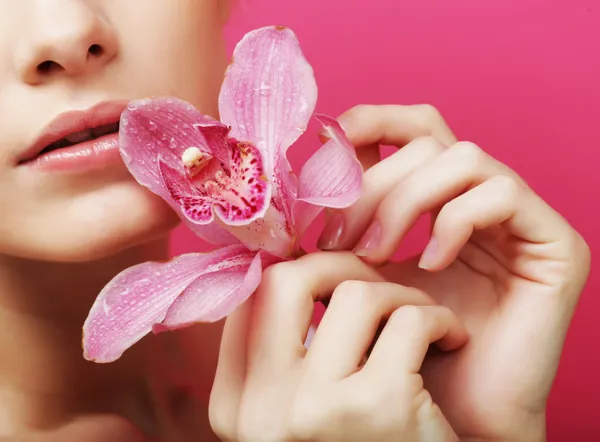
(325, 133)
(429, 254)
(369, 241)
(332, 233)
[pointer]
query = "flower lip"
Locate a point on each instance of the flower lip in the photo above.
(100, 119)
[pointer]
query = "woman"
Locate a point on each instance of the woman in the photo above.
(73, 218)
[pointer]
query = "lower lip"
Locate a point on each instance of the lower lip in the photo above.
(98, 153)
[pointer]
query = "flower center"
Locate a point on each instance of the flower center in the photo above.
(195, 160)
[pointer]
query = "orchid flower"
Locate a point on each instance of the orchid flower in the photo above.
(231, 183)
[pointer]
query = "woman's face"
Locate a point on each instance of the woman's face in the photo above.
(58, 56)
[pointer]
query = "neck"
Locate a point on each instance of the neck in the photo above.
(44, 379)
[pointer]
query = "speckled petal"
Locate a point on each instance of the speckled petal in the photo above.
(165, 127)
(238, 196)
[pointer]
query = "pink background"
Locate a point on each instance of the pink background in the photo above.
(518, 77)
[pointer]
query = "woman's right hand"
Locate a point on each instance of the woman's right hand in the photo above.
(268, 387)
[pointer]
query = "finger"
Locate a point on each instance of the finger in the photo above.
(368, 126)
(284, 305)
(494, 202)
(452, 173)
(406, 337)
(228, 386)
(345, 227)
(350, 323)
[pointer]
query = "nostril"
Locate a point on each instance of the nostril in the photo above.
(48, 67)
(95, 50)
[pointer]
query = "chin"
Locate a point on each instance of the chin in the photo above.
(93, 227)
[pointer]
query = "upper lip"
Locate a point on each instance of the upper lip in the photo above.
(67, 123)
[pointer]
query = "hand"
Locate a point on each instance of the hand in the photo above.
(509, 266)
(268, 387)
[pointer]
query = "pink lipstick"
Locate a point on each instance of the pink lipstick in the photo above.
(78, 140)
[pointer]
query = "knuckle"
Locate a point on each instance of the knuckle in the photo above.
(355, 292)
(365, 403)
(247, 434)
(359, 112)
(221, 419)
(407, 193)
(252, 428)
(470, 152)
(306, 417)
(221, 425)
(428, 145)
(509, 185)
(283, 272)
(410, 314)
(582, 252)
(222, 429)
(451, 214)
(430, 115)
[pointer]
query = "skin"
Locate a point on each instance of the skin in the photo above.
(500, 265)
(63, 236)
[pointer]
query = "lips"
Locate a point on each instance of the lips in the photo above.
(81, 136)
(75, 127)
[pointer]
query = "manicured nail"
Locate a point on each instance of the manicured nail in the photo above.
(309, 337)
(429, 254)
(370, 240)
(332, 233)
(325, 134)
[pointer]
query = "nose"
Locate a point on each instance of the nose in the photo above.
(67, 38)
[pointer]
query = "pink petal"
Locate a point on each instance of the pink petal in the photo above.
(161, 127)
(268, 97)
(332, 177)
(269, 92)
(165, 127)
(139, 297)
(215, 295)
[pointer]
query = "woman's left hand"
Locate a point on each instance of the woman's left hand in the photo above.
(501, 258)
(268, 387)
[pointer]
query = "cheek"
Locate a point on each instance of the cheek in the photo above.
(86, 226)
(175, 48)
